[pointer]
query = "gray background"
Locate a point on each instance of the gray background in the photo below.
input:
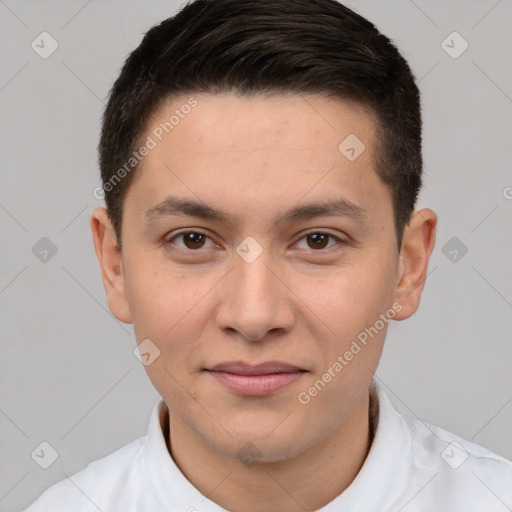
(68, 375)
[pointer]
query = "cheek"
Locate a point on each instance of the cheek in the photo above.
(349, 299)
(170, 309)
(165, 304)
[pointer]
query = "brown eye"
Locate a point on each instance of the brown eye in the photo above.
(189, 240)
(318, 240)
(193, 240)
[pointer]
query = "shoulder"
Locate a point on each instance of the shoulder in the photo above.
(462, 472)
(100, 485)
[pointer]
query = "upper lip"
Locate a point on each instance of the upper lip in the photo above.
(267, 368)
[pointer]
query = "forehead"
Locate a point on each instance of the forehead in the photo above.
(229, 122)
(255, 153)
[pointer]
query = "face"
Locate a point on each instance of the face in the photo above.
(258, 301)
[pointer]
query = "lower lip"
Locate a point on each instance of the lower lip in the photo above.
(256, 385)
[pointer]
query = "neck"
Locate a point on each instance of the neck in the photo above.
(306, 482)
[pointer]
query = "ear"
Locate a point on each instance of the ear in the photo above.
(111, 264)
(417, 246)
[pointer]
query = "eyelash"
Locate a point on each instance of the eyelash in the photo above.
(170, 241)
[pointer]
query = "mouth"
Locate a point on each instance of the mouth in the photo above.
(255, 380)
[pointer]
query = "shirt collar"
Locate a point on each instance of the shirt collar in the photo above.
(378, 485)
(173, 489)
(386, 471)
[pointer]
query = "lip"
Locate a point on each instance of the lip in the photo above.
(255, 380)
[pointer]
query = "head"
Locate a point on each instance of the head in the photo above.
(273, 48)
(261, 162)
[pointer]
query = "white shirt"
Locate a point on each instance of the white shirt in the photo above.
(411, 466)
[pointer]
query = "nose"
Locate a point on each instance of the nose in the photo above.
(256, 301)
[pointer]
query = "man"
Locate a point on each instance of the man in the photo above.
(261, 162)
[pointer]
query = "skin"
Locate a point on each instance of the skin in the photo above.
(204, 304)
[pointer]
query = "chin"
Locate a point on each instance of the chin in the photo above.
(257, 446)
(258, 451)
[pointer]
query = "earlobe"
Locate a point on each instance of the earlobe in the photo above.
(417, 246)
(111, 265)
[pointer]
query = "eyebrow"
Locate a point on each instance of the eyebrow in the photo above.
(175, 206)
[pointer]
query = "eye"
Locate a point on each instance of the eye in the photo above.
(318, 240)
(196, 240)
(192, 240)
